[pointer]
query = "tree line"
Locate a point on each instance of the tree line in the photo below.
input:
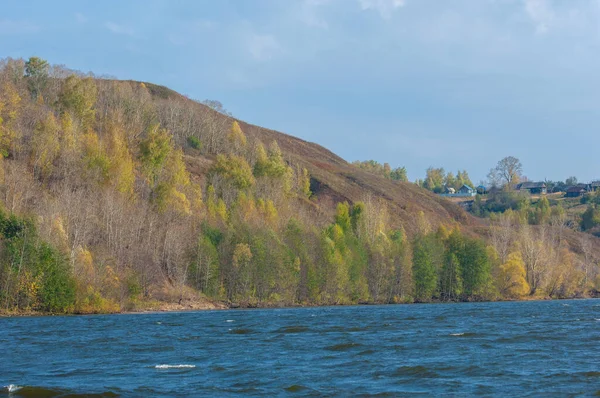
(113, 194)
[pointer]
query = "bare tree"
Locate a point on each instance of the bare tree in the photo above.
(507, 172)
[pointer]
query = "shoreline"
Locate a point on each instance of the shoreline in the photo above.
(224, 306)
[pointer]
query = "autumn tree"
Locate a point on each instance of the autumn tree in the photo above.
(434, 179)
(507, 172)
(10, 102)
(511, 277)
(237, 138)
(45, 145)
(79, 97)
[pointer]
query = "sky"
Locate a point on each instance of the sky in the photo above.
(457, 84)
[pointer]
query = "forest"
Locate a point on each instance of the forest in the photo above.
(116, 195)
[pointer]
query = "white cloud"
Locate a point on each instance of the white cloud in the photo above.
(309, 13)
(119, 29)
(80, 18)
(262, 47)
(385, 8)
(541, 14)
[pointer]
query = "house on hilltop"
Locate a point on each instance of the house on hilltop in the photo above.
(463, 192)
(576, 191)
(534, 188)
(467, 191)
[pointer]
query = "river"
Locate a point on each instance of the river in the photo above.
(499, 349)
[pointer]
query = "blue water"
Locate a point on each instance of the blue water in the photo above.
(499, 349)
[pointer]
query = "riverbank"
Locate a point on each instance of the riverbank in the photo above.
(203, 304)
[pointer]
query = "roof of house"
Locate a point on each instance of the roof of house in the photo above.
(467, 187)
(595, 183)
(576, 188)
(531, 185)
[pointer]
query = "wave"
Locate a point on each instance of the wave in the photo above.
(241, 331)
(462, 334)
(175, 366)
(12, 388)
(415, 371)
(343, 347)
(292, 329)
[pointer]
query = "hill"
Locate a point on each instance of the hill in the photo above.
(124, 195)
(332, 178)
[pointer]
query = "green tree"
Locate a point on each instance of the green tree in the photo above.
(78, 96)
(154, 151)
(450, 279)
(434, 179)
(541, 213)
(590, 218)
(36, 72)
(462, 178)
(399, 174)
(571, 181)
(427, 253)
(342, 217)
(234, 169)
(474, 266)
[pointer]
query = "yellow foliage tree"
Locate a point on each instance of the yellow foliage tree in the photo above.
(511, 278)
(304, 183)
(9, 107)
(79, 97)
(96, 162)
(69, 138)
(45, 146)
(169, 192)
(234, 169)
(122, 166)
(242, 258)
(237, 138)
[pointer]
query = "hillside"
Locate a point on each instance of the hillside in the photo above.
(332, 178)
(124, 195)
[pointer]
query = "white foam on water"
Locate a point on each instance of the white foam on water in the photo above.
(456, 334)
(12, 388)
(175, 366)
(230, 320)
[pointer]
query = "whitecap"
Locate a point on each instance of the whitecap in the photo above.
(230, 320)
(457, 334)
(175, 366)
(12, 388)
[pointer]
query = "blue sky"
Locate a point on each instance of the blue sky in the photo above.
(419, 83)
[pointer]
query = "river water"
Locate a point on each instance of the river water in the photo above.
(495, 349)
